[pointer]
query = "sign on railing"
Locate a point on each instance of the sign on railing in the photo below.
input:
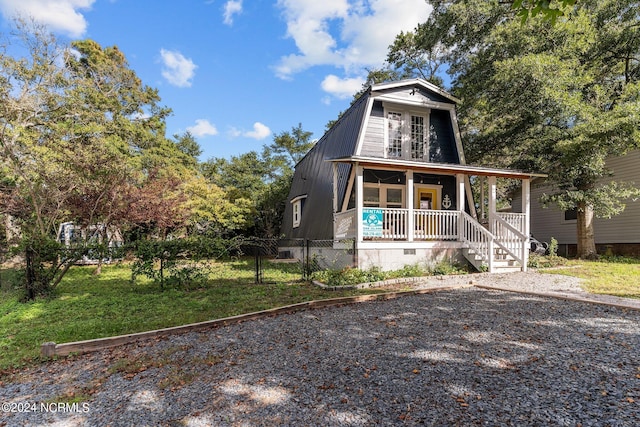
(372, 221)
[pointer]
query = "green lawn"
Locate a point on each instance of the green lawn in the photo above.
(87, 306)
(617, 277)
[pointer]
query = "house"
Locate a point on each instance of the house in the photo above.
(388, 186)
(618, 235)
(71, 235)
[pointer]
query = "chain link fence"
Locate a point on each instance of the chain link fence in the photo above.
(315, 255)
(301, 257)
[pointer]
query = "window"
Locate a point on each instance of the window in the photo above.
(383, 196)
(571, 215)
(394, 148)
(407, 134)
(417, 137)
(296, 209)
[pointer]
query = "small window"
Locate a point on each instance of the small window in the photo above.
(296, 213)
(372, 197)
(571, 214)
(296, 205)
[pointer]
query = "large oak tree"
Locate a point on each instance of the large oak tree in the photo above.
(559, 97)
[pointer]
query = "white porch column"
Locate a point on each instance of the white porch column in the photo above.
(410, 206)
(460, 194)
(359, 202)
(492, 201)
(460, 185)
(483, 214)
(335, 187)
(526, 210)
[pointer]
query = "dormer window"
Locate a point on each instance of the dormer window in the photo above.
(407, 134)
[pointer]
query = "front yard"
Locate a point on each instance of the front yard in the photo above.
(87, 306)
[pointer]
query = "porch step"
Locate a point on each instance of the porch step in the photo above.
(502, 262)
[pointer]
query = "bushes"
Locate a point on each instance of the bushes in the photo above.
(353, 276)
(178, 262)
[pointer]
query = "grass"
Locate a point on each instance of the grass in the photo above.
(611, 276)
(86, 306)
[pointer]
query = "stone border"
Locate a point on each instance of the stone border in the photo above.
(367, 285)
(51, 349)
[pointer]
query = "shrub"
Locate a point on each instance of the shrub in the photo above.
(445, 267)
(352, 276)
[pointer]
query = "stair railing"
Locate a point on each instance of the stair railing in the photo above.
(511, 240)
(477, 238)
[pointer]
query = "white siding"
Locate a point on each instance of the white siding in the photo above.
(373, 144)
(624, 228)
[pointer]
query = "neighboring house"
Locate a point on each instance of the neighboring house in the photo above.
(71, 235)
(390, 179)
(619, 234)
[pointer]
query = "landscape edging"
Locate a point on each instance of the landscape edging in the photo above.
(51, 349)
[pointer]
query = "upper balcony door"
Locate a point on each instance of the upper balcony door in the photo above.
(407, 135)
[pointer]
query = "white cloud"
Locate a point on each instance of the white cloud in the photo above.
(58, 15)
(260, 131)
(177, 69)
(347, 34)
(231, 8)
(203, 128)
(342, 88)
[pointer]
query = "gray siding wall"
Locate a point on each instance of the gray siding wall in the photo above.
(624, 228)
(442, 144)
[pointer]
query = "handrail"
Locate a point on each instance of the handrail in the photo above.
(515, 219)
(477, 237)
(510, 239)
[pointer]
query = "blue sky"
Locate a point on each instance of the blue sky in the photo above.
(237, 72)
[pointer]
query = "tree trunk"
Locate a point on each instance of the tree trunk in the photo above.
(586, 237)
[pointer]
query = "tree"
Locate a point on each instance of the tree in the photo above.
(560, 97)
(288, 148)
(263, 178)
(549, 9)
(189, 147)
(77, 127)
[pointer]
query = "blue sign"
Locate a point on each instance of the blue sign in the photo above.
(371, 222)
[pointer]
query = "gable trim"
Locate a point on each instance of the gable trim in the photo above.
(425, 84)
(363, 125)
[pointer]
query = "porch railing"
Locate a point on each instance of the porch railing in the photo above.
(511, 240)
(503, 241)
(428, 224)
(394, 223)
(344, 224)
(436, 225)
(516, 220)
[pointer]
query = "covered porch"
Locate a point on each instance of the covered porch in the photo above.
(409, 205)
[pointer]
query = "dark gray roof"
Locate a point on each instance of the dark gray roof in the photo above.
(314, 176)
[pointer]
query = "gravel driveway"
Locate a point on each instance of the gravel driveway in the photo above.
(465, 356)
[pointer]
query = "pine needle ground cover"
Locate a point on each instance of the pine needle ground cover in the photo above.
(86, 306)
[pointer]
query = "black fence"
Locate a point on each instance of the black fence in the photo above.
(303, 256)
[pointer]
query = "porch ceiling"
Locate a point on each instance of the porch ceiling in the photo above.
(442, 168)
